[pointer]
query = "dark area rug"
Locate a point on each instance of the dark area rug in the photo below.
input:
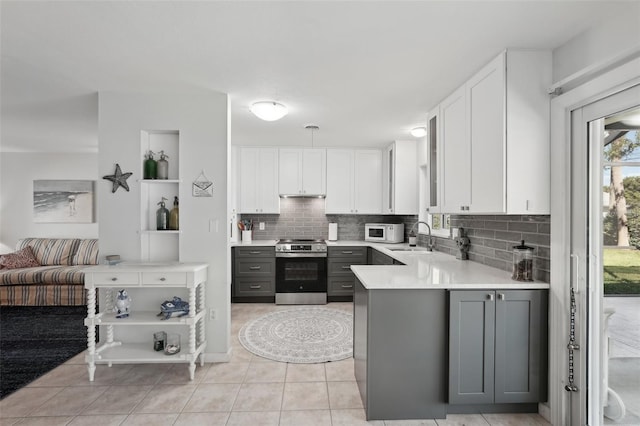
(36, 339)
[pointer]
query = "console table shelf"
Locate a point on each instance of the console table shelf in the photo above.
(148, 277)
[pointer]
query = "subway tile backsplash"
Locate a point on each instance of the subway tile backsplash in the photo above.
(306, 218)
(492, 237)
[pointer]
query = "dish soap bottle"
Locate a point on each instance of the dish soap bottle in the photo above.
(174, 215)
(162, 216)
(150, 166)
(163, 166)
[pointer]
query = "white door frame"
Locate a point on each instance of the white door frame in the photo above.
(609, 83)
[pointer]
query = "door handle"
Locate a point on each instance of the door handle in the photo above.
(576, 272)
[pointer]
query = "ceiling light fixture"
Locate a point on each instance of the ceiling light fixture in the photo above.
(269, 110)
(418, 132)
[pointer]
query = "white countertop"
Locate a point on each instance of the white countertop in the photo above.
(425, 270)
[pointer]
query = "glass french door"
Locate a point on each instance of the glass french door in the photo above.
(605, 250)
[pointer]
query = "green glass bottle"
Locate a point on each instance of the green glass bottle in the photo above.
(150, 167)
(162, 216)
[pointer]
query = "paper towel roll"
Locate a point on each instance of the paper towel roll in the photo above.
(333, 231)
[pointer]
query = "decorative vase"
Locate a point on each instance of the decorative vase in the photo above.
(163, 166)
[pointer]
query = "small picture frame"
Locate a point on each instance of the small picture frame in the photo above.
(202, 186)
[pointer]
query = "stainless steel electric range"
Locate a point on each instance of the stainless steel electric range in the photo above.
(301, 272)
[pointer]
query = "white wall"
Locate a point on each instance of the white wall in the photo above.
(201, 119)
(598, 44)
(18, 171)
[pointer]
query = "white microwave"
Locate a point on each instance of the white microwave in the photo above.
(384, 232)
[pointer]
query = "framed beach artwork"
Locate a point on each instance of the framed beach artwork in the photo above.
(63, 201)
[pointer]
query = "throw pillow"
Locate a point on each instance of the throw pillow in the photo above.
(21, 259)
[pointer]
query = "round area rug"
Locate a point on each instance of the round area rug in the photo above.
(303, 335)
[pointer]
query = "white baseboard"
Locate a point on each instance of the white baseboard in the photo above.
(544, 411)
(218, 356)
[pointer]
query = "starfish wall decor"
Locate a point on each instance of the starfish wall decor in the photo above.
(119, 179)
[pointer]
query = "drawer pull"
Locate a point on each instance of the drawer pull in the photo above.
(255, 287)
(346, 267)
(347, 252)
(347, 285)
(255, 268)
(255, 252)
(163, 279)
(114, 279)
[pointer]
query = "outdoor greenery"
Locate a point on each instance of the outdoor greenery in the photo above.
(621, 223)
(621, 271)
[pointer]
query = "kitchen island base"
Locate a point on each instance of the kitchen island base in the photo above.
(399, 356)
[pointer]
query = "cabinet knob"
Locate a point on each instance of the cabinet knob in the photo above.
(427, 209)
(114, 279)
(347, 286)
(254, 268)
(462, 208)
(163, 279)
(255, 287)
(501, 296)
(490, 296)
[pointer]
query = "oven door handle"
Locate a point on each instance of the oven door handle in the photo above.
(301, 254)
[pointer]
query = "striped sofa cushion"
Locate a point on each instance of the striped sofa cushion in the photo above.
(43, 295)
(51, 251)
(87, 253)
(62, 275)
(21, 276)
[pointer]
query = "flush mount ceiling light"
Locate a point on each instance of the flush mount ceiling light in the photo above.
(418, 132)
(269, 110)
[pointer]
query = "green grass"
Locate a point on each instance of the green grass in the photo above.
(621, 271)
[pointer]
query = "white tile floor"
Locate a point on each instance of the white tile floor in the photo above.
(249, 390)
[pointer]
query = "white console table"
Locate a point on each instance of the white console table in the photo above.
(128, 276)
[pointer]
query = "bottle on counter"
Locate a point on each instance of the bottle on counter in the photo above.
(174, 215)
(162, 216)
(150, 166)
(163, 166)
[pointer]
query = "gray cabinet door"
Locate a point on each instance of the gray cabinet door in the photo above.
(498, 346)
(520, 345)
(378, 258)
(471, 350)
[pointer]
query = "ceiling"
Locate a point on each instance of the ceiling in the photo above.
(365, 72)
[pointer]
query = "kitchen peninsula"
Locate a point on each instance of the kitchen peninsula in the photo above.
(438, 335)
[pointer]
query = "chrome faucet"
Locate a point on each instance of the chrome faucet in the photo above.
(430, 240)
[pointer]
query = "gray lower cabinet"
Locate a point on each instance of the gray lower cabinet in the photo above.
(254, 272)
(497, 346)
(340, 279)
(399, 351)
(378, 258)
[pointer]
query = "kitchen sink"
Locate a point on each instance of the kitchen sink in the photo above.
(411, 249)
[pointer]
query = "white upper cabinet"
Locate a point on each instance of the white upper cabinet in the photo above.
(400, 178)
(495, 138)
(430, 171)
(302, 171)
(354, 181)
(259, 180)
(456, 155)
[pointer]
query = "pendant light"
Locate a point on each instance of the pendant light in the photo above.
(269, 110)
(313, 128)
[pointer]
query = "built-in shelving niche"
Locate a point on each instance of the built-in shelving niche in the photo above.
(159, 246)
